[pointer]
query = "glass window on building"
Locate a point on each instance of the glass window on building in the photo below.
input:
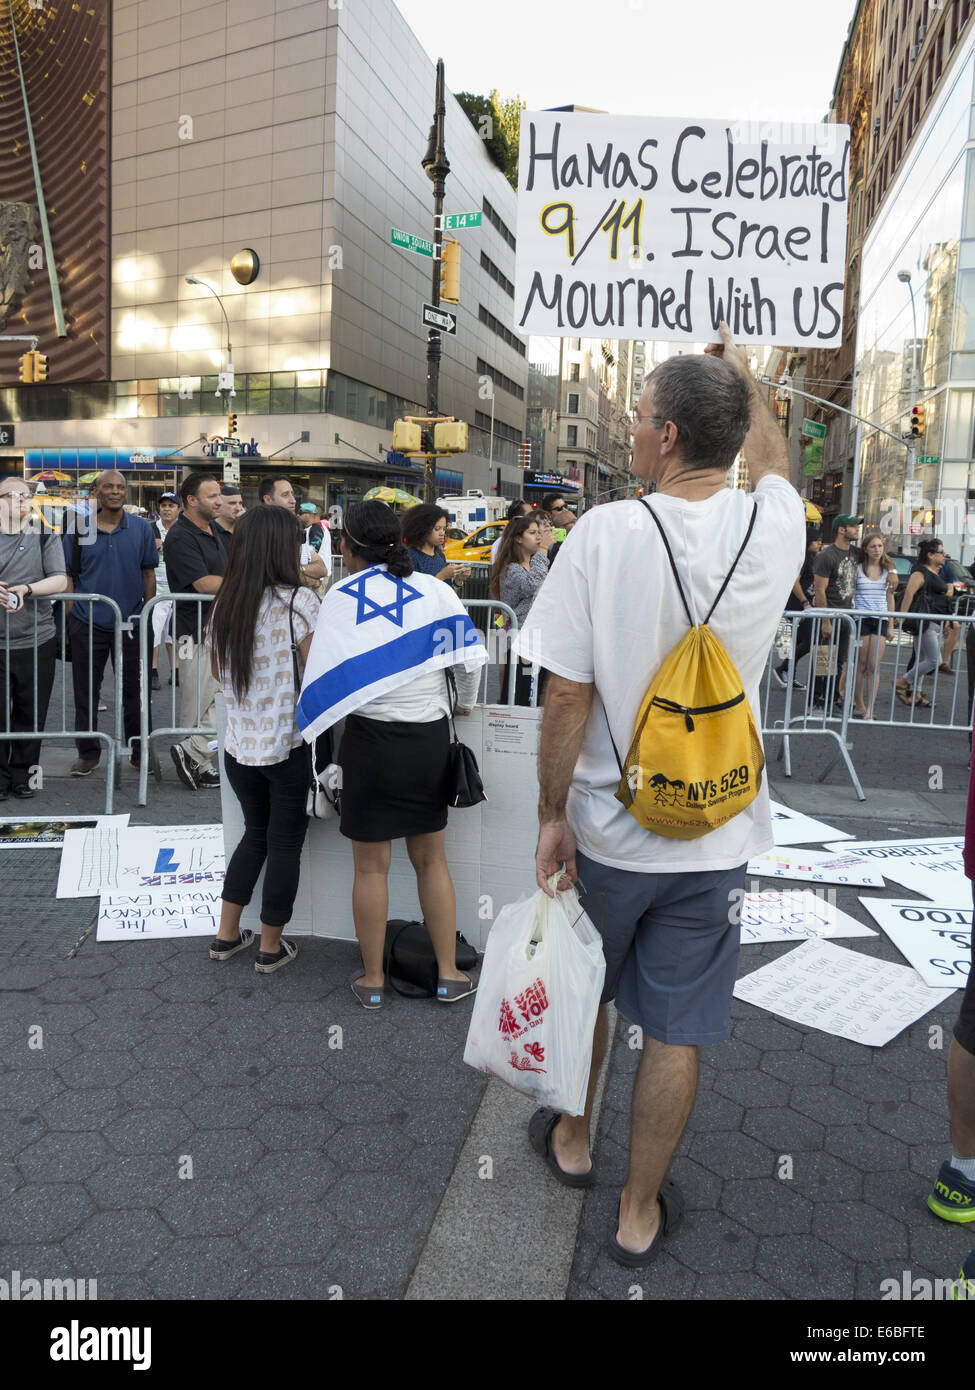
(572, 439)
(573, 404)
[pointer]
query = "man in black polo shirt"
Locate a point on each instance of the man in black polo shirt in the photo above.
(116, 557)
(195, 552)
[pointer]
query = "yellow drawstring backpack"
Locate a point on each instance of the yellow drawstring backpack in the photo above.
(695, 759)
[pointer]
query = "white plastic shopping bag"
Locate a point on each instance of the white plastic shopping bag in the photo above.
(537, 999)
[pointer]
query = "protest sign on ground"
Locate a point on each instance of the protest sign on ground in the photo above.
(817, 866)
(936, 940)
(659, 227)
(841, 992)
(785, 915)
(157, 914)
(137, 858)
(794, 828)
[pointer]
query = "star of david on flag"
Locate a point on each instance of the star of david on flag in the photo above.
(369, 608)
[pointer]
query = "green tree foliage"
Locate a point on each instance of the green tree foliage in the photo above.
(498, 122)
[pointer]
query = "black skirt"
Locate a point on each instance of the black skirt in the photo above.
(394, 778)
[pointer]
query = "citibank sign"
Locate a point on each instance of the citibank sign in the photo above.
(218, 444)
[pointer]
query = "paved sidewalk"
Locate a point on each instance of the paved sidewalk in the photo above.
(866, 1130)
(317, 1168)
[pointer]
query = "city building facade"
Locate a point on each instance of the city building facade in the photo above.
(299, 135)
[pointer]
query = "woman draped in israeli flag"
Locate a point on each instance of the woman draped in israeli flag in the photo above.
(385, 641)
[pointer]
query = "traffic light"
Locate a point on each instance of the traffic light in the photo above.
(450, 437)
(27, 367)
(231, 426)
(525, 454)
(427, 445)
(406, 437)
(917, 420)
(40, 366)
(639, 492)
(450, 272)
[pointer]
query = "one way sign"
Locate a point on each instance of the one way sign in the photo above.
(439, 318)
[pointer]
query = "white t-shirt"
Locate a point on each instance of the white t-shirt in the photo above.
(609, 613)
(261, 725)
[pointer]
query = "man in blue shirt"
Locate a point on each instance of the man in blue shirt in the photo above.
(114, 555)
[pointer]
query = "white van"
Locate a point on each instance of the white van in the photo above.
(473, 509)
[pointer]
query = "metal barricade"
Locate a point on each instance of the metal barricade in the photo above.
(185, 647)
(498, 641)
(42, 692)
(878, 688)
(817, 707)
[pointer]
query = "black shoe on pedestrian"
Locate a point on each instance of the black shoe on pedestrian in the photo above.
(155, 681)
(780, 679)
(185, 767)
(223, 950)
(23, 792)
(266, 963)
(207, 777)
(85, 766)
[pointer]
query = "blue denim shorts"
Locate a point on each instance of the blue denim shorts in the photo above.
(671, 944)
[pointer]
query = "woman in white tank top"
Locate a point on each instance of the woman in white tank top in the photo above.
(876, 586)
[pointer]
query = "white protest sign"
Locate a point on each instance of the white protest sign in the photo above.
(889, 851)
(817, 866)
(936, 940)
(27, 833)
(658, 227)
(793, 828)
(156, 914)
(782, 915)
(841, 992)
(113, 859)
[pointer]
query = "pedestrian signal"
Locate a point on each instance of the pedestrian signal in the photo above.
(406, 437)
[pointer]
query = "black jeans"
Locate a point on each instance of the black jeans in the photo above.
(18, 756)
(272, 799)
(87, 670)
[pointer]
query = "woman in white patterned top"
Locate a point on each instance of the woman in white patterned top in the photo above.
(250, 637)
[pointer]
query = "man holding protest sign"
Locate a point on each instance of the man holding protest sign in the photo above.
(670, 930)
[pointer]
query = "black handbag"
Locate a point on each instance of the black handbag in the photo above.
(408, 956)
(464, 785)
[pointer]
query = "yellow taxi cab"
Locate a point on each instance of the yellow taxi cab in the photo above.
(476, 548)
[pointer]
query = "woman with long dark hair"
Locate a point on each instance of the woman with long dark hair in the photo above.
(926, 588)
(424, 533)
(388, 642)
(262, 599)
(517, 574)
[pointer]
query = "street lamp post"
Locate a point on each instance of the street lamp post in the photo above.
(225, 379)
(904, 276)
(436, 166)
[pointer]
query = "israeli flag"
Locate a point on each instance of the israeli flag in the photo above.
(375, 633)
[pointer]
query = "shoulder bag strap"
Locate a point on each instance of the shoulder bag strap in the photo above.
(448, 672)
(741, 551)
(670, 557)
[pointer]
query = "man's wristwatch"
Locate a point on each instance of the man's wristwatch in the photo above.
(29, 593)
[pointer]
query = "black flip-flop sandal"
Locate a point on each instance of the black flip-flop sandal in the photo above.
(671, 1201)
(540, 1128)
